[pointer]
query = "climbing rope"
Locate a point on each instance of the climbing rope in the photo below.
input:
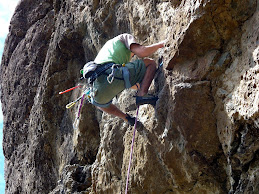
(76, 122)
(79, 110)
(131, 151)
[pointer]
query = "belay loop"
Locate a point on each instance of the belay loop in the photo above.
(110, 77)
(92, 71)
(125, 75)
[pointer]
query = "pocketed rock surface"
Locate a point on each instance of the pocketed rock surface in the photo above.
(202, 135)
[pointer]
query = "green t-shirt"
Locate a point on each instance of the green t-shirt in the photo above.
(113, 51)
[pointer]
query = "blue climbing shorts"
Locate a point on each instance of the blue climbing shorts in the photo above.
(105, 91)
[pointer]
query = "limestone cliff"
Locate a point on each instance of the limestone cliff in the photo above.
(202, 136)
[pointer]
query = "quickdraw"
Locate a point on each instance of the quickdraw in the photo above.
(87, 93)
(73, 103)
(70, 89)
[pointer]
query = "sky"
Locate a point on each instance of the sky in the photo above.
(7, 8)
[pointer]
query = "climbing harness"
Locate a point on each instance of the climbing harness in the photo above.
(90, 73)
(131, 151)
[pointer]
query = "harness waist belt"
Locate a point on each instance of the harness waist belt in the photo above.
(102, 68)
(126, 76)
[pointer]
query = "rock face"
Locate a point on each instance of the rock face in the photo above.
(202, 136)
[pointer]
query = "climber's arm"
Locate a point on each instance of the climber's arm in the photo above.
(145, 51)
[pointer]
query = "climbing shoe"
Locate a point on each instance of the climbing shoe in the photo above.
(131, 120)
(147, 99)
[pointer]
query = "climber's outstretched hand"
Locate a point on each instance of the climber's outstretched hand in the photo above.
(145, 51)
(162, 43)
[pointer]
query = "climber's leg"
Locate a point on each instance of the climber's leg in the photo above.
(148, 77)
(112, 109)
(142, 97)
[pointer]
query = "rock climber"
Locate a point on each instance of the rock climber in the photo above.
(141, 72)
